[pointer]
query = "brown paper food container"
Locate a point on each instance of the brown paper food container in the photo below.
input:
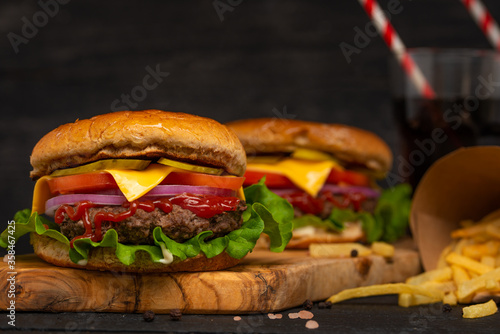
(464, 184)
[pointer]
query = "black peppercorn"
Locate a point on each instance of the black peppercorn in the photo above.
(324, 305)
(308, 304)
(446, 308)
(354, 253)
(148, 316)
(175, 314)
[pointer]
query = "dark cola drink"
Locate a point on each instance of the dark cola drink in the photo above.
(430, 129)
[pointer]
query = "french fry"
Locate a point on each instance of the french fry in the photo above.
(491, 284)
(450, 298)
(488, 260)
(442, 257)
(446, 287)
(408, 299)
(459, 274)
(472, 274)
(436, 275)
(493, 231)
(383, 249)
(405, 299)
(480, 310)
(461, 244)
(337, 250)
(468, 232)
(385, 289)
(468, 288)
(472, 265)
(477, 251)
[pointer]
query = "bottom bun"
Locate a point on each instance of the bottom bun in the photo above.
(303, 237)
(102, 258)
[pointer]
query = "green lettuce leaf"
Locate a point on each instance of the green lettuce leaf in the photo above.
(266, 212)
(312, 220)
(393, 209)
(388, 222)
(276, 213)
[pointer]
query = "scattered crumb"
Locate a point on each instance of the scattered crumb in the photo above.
(148, 316)
(279, 316)
(312, 324)
(308, 304)
(175, 314)
(237, 318)
(305, 315)
(293, 315)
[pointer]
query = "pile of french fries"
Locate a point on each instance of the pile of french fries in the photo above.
(468, 272)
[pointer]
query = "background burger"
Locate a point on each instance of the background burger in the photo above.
(328, 173)
(146, 191)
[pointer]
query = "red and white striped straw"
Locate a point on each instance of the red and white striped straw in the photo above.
(394, 42)
(484, 20)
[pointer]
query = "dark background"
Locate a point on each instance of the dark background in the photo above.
(264, 58)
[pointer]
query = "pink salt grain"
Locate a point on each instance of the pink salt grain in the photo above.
(312, 324)
(305, 315)
(274, 316)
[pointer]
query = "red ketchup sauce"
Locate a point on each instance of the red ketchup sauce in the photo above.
(204, 206)
(310, 205)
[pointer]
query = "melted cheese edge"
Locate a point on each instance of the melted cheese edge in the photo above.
(307, 175)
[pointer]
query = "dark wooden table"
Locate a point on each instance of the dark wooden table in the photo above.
(372, 315)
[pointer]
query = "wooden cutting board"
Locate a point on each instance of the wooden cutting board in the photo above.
(264, 282)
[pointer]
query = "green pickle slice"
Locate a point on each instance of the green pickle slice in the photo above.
(104, 164)
(191, 168)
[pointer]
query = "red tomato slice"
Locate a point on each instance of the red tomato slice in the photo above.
(272, 180)
(280, 181)
(349, 177)
(81, 183)
(91, 182)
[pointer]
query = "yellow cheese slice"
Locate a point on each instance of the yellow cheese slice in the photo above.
(41, 194)
(308, 175)
(241, 194)
(136, 183)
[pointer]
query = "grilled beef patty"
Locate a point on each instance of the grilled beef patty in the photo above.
(179, 225)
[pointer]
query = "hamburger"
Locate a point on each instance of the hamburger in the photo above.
(145, 191)
(328, 172)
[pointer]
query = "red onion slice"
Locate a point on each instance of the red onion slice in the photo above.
(114, 198)
(334, 189)
(170, 190)
(52, 204)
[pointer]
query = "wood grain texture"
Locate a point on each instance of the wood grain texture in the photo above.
(264, 282)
